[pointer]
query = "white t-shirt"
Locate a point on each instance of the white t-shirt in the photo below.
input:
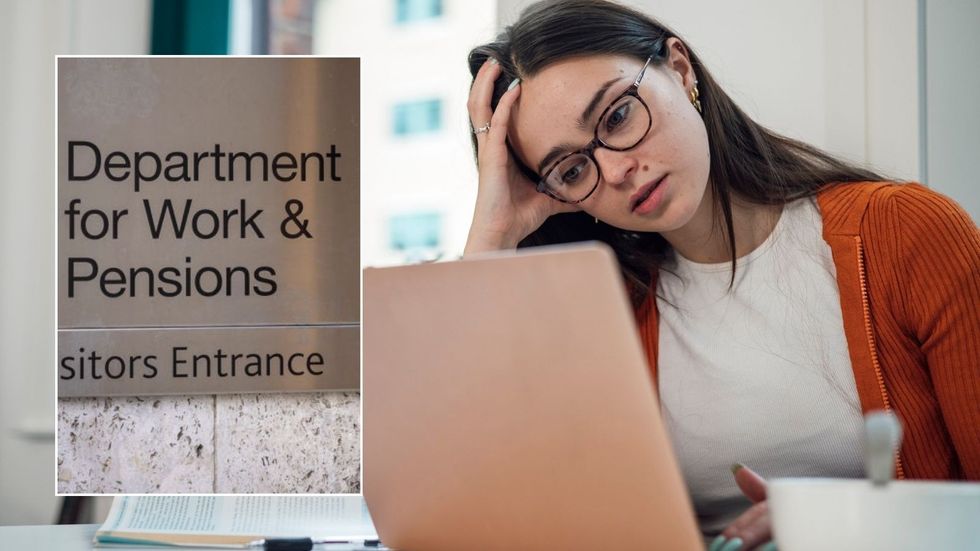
(758, 374)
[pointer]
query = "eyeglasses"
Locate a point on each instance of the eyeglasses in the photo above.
(622, 126)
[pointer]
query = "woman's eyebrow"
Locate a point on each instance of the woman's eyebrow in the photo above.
(555, 152)
(583, 120)
(583, 123)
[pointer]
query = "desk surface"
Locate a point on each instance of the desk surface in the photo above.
(31, 538)
(78, 537)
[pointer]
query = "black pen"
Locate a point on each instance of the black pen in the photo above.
(305, 544)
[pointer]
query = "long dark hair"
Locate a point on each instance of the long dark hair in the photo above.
(748, 161)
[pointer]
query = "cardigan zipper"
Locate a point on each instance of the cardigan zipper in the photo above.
(899, 470)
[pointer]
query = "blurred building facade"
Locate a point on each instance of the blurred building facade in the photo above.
(419, 172)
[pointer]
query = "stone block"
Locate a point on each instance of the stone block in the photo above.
(288, 443)
(136, 445)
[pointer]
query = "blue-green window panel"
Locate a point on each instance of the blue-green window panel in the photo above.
(415, 230)
(190, 27)
(417, 117)
(407, 11)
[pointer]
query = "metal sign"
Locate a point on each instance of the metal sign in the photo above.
(212, 202)
(210, 361)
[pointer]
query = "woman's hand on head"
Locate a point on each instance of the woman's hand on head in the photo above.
(508, 207)
(753, 528)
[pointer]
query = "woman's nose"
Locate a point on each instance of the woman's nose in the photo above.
(616, 166)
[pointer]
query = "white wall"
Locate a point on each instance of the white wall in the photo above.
(31, 34)
(891, 103)
(952, 95)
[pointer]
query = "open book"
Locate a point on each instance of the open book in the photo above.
(234, 521)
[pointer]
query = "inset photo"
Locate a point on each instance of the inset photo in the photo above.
(208, 252)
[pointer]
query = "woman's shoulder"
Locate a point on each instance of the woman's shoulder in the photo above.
(914, 200)
(890, 208)
(849, 196)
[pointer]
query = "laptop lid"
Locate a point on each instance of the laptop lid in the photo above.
(508, 405)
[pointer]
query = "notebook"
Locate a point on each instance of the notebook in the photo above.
(233, 521)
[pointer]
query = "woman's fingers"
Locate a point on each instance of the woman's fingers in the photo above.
(752, 526)
(500, 121)
(745, 519)
(751, 529)
(481, 92)
(751, 484)
(507, 202)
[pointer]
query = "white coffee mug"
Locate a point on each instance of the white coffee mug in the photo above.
(817, 514)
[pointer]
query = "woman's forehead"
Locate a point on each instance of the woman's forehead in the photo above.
(570, 84)
(553, 101)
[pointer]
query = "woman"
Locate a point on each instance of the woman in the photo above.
(780, 292)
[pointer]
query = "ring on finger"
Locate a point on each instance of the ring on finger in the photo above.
(483, 129)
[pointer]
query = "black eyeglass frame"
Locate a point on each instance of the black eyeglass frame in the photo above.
(589, 150)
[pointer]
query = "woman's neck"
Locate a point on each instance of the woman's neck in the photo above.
(705, 238)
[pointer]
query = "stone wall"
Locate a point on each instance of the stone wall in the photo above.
(234, 443)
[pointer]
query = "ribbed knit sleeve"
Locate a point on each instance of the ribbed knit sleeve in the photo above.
(939, 253)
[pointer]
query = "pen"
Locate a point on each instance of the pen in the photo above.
(304, 544)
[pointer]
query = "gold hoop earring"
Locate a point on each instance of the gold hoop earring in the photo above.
(695, 94)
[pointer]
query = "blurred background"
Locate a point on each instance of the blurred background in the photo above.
(889, 83)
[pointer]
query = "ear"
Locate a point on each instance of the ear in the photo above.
(679, 63)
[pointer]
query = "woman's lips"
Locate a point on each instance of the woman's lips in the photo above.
(646, 199)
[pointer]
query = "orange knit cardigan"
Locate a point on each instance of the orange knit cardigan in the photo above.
(908, 272)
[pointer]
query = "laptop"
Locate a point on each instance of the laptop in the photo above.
(508, 405)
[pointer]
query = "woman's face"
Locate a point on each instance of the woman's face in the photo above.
(546, 120)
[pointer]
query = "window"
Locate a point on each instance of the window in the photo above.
(417, 117)
(407, 11)
(416, 235)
